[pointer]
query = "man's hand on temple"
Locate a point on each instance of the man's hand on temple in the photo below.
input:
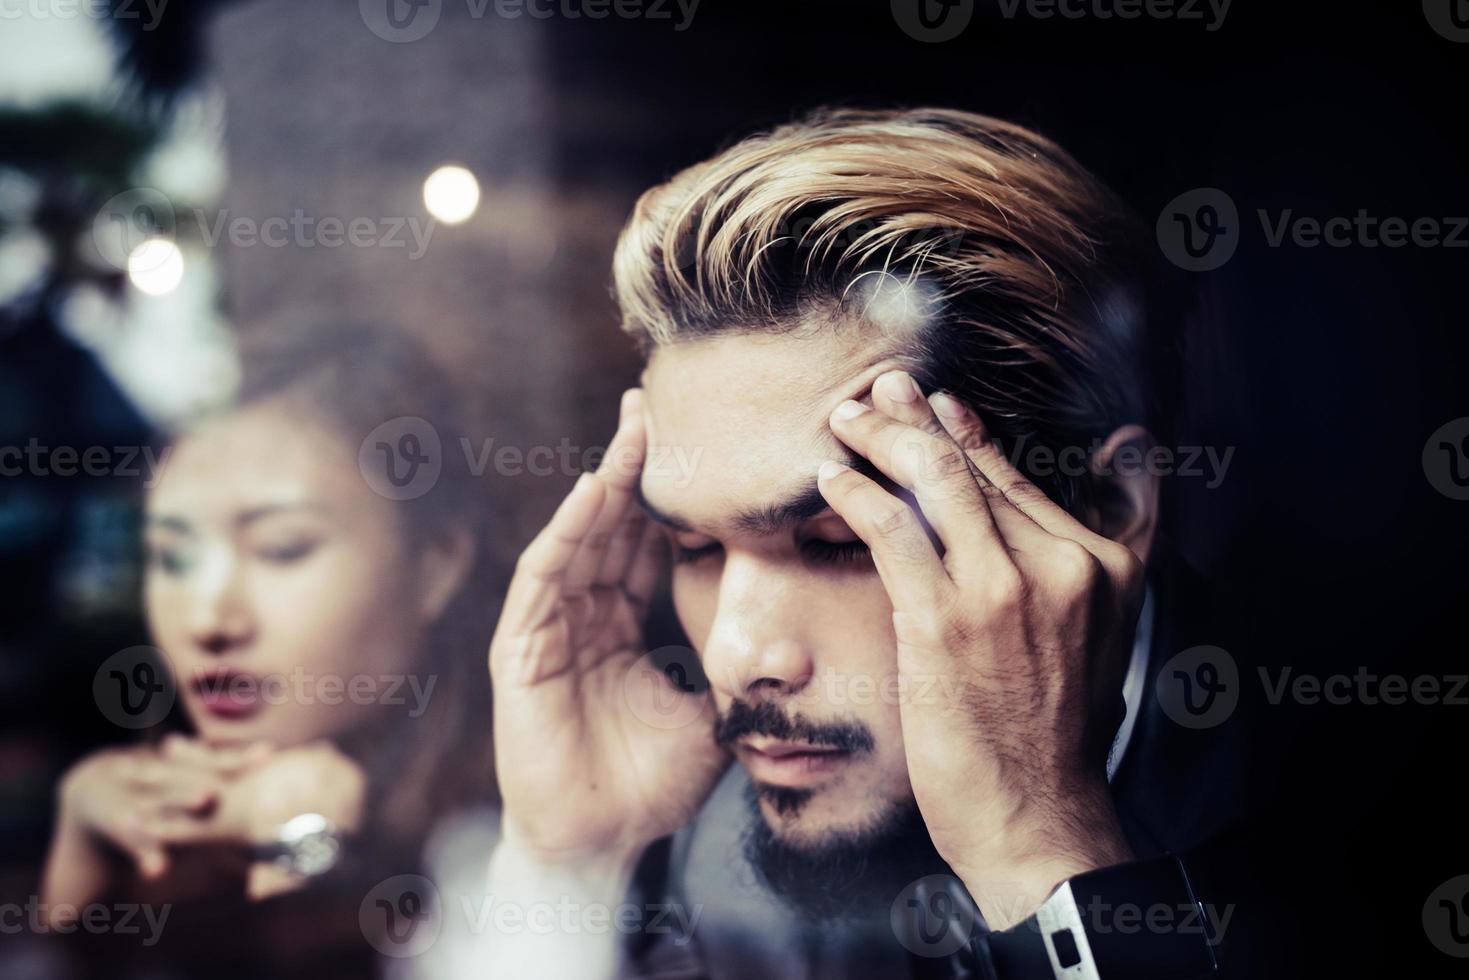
(1026, 612)
(582, 776)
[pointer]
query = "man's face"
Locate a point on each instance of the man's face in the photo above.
(779, 596)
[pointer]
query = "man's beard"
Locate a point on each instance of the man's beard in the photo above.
(843, 875)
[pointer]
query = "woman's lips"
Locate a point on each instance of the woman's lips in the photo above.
(790, 764)
(228, 694)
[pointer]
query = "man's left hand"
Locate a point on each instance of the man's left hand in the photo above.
(1023, 613)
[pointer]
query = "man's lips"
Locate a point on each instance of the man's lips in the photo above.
(228, 693)
(790, 764)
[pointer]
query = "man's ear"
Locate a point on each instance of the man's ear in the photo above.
(1125, 502)
(443, 567)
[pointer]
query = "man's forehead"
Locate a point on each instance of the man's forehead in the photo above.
(738, 422)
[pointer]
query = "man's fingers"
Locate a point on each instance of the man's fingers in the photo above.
(620, 550)
(645, 569)
(911, 571)
(618, 473)
(969, 432)
(935, 470)
(536, 588)
(897, 395)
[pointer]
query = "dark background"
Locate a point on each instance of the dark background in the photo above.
(1326, 368)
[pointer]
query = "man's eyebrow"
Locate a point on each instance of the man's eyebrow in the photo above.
(803, 505)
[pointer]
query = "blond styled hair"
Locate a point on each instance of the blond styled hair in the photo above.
(1012, 269)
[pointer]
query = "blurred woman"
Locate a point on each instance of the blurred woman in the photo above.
(307, 573)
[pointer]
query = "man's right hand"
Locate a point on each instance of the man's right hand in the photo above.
(586, 771)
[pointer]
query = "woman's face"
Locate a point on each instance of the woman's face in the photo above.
(280, 588)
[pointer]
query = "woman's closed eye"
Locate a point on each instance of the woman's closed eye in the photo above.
(286, 551)
(168, 559)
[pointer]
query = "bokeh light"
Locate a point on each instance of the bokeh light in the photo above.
(156, 266)
(451, 194)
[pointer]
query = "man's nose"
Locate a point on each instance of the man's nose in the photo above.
(757, 642)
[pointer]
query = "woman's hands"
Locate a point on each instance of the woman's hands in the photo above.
(142, 800)
(586, 770)
(1026, 611)
(148, 803)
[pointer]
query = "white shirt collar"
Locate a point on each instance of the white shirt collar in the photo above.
(1134, 684)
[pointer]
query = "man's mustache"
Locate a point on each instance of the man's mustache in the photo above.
(766, 718)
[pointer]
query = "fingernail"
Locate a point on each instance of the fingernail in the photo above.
(947, 405)
(848, 410)
(829, 469)
(901, 387)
